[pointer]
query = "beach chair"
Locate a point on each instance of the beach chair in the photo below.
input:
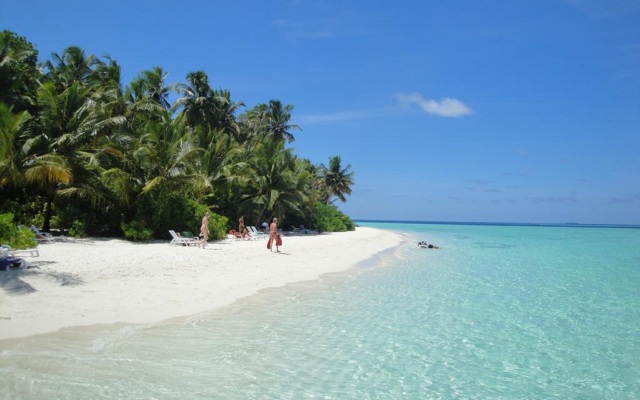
(308, 231)
(42, 237)
(179, 240)
(236, 235)
(8, 251)
(255, 233)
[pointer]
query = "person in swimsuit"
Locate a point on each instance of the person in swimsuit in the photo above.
(204, 230)
(273, 235)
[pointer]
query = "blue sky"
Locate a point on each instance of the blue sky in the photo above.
(501, 111)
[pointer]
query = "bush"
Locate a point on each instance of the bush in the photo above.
(218, 226)
(217, 223)
(327, 218)
(176, 212)
(78, 229)
(136, 230)
(16, 238)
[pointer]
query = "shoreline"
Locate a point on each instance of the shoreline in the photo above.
(108, 281)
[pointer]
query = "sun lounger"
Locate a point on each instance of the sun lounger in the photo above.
(46, 237)
(179, 240)
(42, 237)
(8, 251)
(255, 233)
(236, 235)
(305, 231)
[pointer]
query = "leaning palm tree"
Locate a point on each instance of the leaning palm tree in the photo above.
(336, 181)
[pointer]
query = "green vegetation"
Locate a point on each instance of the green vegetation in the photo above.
(82, 153)
(327, 218)
(14, 237)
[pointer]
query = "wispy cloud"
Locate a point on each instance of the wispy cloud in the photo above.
(568, 200)
(299, 30)
(607, 8)
(335, 117)
(446, 107)
(482, 186)
(313, 20)
(633, 198)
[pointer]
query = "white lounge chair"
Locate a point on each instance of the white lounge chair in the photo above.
(177, 239)
(42, 237)
(7, 250)
(255, 233)
(234, 235)
(308, 231)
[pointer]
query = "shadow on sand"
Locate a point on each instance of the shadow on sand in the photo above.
(13, 283)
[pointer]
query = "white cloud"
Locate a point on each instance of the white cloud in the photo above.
(447, 107)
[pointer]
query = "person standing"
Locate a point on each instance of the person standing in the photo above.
(204, 230)
(241, 228)
(273, 235)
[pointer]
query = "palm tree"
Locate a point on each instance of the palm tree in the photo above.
(277, 182)
(272, 120)
(152, 85)
(12, 126)
(336, 181)
(69, 67)
(198, 100)
(18, 72)
(206, 107)
(165, 154)
(57, 154)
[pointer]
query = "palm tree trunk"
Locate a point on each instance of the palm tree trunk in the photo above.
(46, 227)
(258, 223)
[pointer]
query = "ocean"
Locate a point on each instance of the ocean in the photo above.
(498, 312)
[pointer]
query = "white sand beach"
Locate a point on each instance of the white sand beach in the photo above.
(101, 281)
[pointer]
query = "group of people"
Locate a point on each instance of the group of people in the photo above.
(274, 236)
(426, 245)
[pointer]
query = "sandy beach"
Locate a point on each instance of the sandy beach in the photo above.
(101, 281)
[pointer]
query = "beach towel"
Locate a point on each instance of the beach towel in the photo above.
(278, 240)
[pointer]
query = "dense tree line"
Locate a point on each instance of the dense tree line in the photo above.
(81, 152)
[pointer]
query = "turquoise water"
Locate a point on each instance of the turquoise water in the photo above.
(500, 312)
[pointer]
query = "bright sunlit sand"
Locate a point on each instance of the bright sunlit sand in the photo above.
(98, 281)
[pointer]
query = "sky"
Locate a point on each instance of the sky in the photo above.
(460, 110)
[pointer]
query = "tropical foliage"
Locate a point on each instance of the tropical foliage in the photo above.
(81, 152)
(13, 236)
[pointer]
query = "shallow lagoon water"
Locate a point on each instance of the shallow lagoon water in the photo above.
(500, 312)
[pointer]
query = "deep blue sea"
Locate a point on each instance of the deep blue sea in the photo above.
(499, 312)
